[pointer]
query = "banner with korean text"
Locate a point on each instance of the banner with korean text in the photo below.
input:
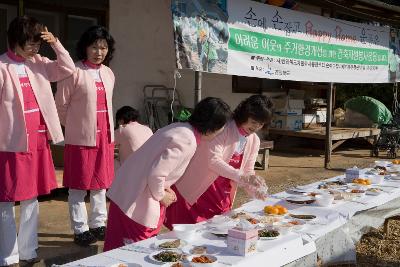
(248, 38)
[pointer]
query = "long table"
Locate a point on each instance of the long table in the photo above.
(331, 236)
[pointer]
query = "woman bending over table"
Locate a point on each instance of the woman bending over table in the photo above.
(227, 161)
(141, 190)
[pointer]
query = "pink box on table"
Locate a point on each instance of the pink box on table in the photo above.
(242, 242)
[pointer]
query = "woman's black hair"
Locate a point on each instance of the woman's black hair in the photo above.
(210, 115)
(24, 29)
(127, 114)
(257, 107)
(90, 36)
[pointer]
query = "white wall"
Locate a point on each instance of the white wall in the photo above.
(144, 48)
(145, 55)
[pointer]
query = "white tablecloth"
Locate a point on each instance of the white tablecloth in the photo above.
(274, 252)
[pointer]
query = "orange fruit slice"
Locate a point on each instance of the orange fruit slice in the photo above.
(282, 210)
(274, 211)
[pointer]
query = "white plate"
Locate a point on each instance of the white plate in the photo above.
(372, 193)
(124, 264)
(157, 243)
(300, 214)
(219, 231)
(300, 199)
(300, 224)
(356, 194)
(194, 264)
(157, 252)
(209, 250)
(303, 189)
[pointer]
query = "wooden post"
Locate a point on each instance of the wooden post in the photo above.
(328, 134)
(197, 86)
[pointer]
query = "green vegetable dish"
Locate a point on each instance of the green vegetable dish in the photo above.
(168, 256)
(268, 233)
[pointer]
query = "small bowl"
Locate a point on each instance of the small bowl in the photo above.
(185, 231)
(324, 200)
(198, 264)
(376, 179)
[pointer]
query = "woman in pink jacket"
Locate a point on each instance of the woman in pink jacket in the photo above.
(208, 191)
(28, 119)
(84, 103)
(141, 189)
(130, 134)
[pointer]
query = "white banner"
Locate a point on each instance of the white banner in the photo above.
(259, 40)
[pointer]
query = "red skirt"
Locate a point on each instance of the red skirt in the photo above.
(121, 228)
(215, 201)
(26, 175)
(90, 168)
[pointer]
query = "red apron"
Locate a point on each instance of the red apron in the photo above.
(26, 175)
(215, 200)
(92, 168)
(121, 228)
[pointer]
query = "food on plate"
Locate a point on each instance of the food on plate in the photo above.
(331, 184)
(300, 200)
(374, 190)
(252, 220)
(268, 233)
(198, 250)
(275, 210)
(241, 215)
(168, 256)
(220, 235)
(203, 259)
(396, 161)
(170, 244)
(362, 181)
(312, 194)
(269, 219)
(357, 191)
(382, 170)
(303, 216)
(177, 264)
(295, 222)
(122, 265)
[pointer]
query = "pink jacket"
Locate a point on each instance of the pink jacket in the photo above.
(140, 182)
(130, 137)
(41, 71)
(76, 101)
(216, 154)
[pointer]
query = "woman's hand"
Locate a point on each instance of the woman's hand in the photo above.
(252, 180)
(48, 36)
(169, 197)
(260, 193)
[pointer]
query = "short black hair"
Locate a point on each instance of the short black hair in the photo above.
(210, 115)
(90, 36)
(257, 107)
(24, 29)
(127, 114)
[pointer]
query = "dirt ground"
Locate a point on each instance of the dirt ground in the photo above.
(292, 164)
